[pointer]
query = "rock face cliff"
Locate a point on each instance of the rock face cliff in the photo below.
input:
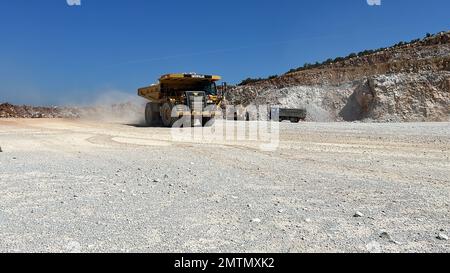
(407, 82)
(421, 96)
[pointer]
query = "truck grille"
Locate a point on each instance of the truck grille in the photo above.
(196, 101)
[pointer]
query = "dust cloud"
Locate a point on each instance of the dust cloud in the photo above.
(115, 107)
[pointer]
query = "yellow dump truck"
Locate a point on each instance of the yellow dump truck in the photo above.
(192, 97)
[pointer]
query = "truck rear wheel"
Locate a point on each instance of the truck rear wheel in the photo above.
(166, 115)
(152, 117)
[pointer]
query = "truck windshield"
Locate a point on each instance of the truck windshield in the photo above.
(209, 88)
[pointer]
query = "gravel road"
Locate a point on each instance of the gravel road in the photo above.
(85, 186)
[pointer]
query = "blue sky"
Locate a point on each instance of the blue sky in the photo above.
(52, 53)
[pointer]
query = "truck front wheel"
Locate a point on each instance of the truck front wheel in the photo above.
(166, 115)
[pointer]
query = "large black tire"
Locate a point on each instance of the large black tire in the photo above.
(152, 117)
(208, 122)
(166, 115)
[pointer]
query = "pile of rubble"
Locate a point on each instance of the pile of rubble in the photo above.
(122, 112)
(14, 111)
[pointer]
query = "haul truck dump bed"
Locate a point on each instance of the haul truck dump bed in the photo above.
(185, 96)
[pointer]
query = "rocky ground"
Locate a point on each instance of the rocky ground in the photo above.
(86, 186)
(81, 183)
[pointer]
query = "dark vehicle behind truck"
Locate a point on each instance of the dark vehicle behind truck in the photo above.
(294, 115)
